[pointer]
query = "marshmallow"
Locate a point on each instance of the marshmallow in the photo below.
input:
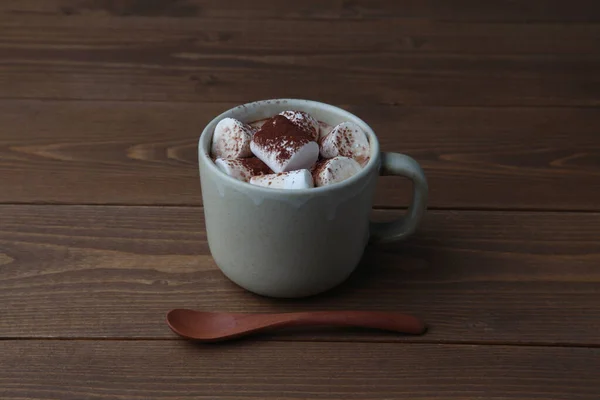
(242, 169)
(324, 130)
(303, 121)
(346, 139)
(231, 139)
(283, 146)
(299, 179)
(334, 170)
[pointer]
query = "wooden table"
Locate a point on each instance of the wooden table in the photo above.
(101, 220)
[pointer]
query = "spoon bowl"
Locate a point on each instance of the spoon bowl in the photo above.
(218, 326)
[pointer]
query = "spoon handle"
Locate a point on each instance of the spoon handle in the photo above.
(383, 320)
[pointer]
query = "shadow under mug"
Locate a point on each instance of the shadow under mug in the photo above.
(296, 243)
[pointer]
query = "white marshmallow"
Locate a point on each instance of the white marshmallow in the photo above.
(324, 130)
(303, 121)
(299, 179)
(242, 169)
(286, 153)
(335, 170)
(231, 139)
(346, 139)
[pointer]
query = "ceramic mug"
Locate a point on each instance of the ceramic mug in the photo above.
(295, 243)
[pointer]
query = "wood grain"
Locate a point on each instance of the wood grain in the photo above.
(142, 36)
(145, 153)
(417, 62)
(474, 277)
(457, 10)
(254, 370)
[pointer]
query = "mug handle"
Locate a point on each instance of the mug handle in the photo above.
(402, 165)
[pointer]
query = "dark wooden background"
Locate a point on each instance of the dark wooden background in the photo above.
(101, 221)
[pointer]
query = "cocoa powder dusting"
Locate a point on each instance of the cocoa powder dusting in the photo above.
(318, 167)
(304, 121)
(255, 166)
(275, 127)
(280, 136)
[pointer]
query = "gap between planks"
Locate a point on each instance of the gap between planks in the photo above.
(300, 340)
(383, 208)
(230, 104)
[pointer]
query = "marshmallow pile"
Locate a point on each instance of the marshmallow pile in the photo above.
(289, 151)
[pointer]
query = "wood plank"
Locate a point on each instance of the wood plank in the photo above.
(415, 62)
(145, 153)
(257, 370)
(214, 36)
(457, 10)
(417, 81)
(475, 277)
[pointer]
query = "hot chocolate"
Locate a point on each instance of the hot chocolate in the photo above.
(291, 150)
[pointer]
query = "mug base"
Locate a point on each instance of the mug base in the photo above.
(287, 292)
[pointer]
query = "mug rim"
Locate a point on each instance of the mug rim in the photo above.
(204, 150)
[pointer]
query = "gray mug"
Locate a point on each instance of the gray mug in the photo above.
(295, 243)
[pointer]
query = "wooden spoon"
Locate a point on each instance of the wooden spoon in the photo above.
(218, 326)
